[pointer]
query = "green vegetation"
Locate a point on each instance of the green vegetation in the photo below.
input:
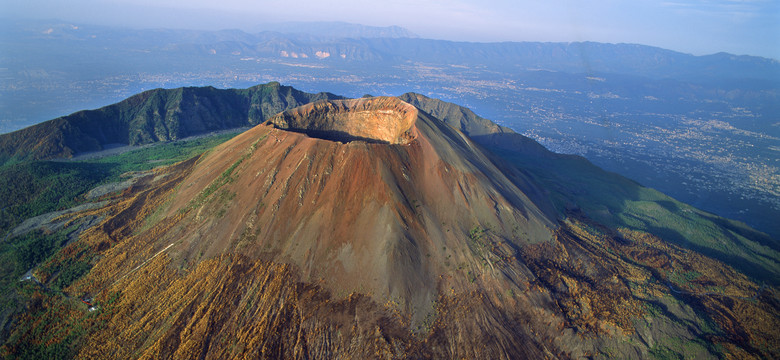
(56, 330)
(683, 278)
(475, 234)
(21, 255)
(48, 347)
(30, 189)
(664, 353)
(676, 348)
(161, 154)
(16, 258)
(36, 246)
(616, 201)
(38, 187)
(225, 178)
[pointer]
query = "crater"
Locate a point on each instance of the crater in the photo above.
(384, 120)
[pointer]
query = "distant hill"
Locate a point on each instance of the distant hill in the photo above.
(337, 29)
(394, 45)
(152, 116)
(582, 57)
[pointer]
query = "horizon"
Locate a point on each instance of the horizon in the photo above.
(688, 26)
(269, 27)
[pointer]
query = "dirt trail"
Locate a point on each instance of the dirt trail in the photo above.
(142, 264)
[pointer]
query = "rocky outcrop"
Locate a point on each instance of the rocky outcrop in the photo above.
(385, 120)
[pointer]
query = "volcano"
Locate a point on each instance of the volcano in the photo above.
(367, 195)
(368, 228)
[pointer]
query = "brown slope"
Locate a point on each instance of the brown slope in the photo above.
(362, 216)
(385, 230)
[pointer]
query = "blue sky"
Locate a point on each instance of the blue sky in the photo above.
(699, 27)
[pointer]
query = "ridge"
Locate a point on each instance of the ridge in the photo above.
(385, 120)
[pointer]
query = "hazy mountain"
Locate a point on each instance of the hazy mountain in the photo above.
(394, 44)
(584, 57)
(337, 30)
(373, 228)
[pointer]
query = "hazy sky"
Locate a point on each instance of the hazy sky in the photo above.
(693, 26)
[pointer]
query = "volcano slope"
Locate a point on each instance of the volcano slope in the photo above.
(367, 228)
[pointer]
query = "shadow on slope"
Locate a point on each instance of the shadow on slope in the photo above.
(574, 182)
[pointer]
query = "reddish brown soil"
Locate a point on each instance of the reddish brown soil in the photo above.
(381, 219)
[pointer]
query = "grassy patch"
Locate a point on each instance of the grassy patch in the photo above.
(223, 179)
(684, 278)
(160, 155)
(665, 353)
(616, 201)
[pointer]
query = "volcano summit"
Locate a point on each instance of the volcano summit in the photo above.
(382, 120)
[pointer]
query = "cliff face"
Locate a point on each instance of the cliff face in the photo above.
(378, 120)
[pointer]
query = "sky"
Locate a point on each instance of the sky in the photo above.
(699, 27)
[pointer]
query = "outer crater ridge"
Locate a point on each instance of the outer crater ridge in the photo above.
(384, 120)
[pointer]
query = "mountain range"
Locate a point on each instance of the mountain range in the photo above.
(375, 227)
(327, 42)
